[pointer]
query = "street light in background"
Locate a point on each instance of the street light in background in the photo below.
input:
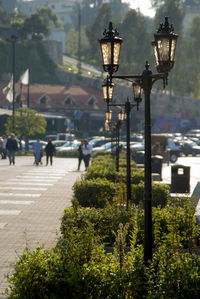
(108, 87)
(164, 50)
(13, 40)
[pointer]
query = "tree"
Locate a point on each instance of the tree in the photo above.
(94, 32)
(72, 43)
(136, 47)
(174, 10)
(191, 3)
(27, 123)
(40, 22)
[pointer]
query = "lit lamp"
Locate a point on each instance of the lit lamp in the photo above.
(108, 116)
(121, 115)
(108, 88)
(164, 47)
(110, 49)
(107, 127)
(137, 93)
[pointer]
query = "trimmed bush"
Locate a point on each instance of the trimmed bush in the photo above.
(79, 268)
(160, 194)
(105, 222)
(95, 193)
(67, 154)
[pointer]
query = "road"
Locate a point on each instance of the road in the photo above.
(32, 202)
(84, 66)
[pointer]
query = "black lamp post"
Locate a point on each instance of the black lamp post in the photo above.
(164, 50)
(108, 87)
(13, 40)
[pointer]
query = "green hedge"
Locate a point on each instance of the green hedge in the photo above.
(79, 268)
(160, 194)
(105, 222)
(67, 154)
(95, 193)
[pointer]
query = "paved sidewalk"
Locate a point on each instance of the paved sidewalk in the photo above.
(32, 201)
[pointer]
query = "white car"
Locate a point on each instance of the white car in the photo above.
(108, 147)
(68, 146)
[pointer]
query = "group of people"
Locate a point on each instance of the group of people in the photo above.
(84, 151)
(8, 148)
(38, 152)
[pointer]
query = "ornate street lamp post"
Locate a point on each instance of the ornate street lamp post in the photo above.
(164, 50)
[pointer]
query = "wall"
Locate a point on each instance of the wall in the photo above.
(54, 50)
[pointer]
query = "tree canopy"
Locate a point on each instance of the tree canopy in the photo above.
(40, 22)
(27, 123)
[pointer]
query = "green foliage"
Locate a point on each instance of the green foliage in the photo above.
(39, 22)
(101, 171)
(95, 193)
(132, 27)
(79, 268)
(27, 123)
(160, 194)
(67, 154)
(176, 225)
(32, 55)
(94, 32)
(105, 222)
(174, 275)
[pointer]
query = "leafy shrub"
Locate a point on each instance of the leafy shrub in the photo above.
(101, 171)
(79, 268)
(95, 193)
(176, 224)
(100, 154)
(160, 194)
(105, 221)
(67, 154)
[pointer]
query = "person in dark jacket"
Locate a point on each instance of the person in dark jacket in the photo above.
(50, 150)
(11, 147)
(80, 154)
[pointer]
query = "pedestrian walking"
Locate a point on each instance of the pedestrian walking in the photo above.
(37, 149)
(87, 151)
(80, 154)
(4, 150)
(11, 147)
(50, 150)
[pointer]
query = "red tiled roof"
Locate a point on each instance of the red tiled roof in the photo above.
(56, 96)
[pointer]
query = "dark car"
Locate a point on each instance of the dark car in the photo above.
(190, 148)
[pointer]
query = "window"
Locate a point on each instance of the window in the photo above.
(43, 99)
(92, 101)
(70, 101)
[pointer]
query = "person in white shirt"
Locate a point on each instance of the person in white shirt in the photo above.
(87, 151)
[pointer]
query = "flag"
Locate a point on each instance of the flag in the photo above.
(8, 90)
(9, 95)
(24, 79)
(9, 86)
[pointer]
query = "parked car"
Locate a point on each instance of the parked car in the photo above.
(97, 142)
(58, 143)
(190, 148)
(69, 146)
(108, 147)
